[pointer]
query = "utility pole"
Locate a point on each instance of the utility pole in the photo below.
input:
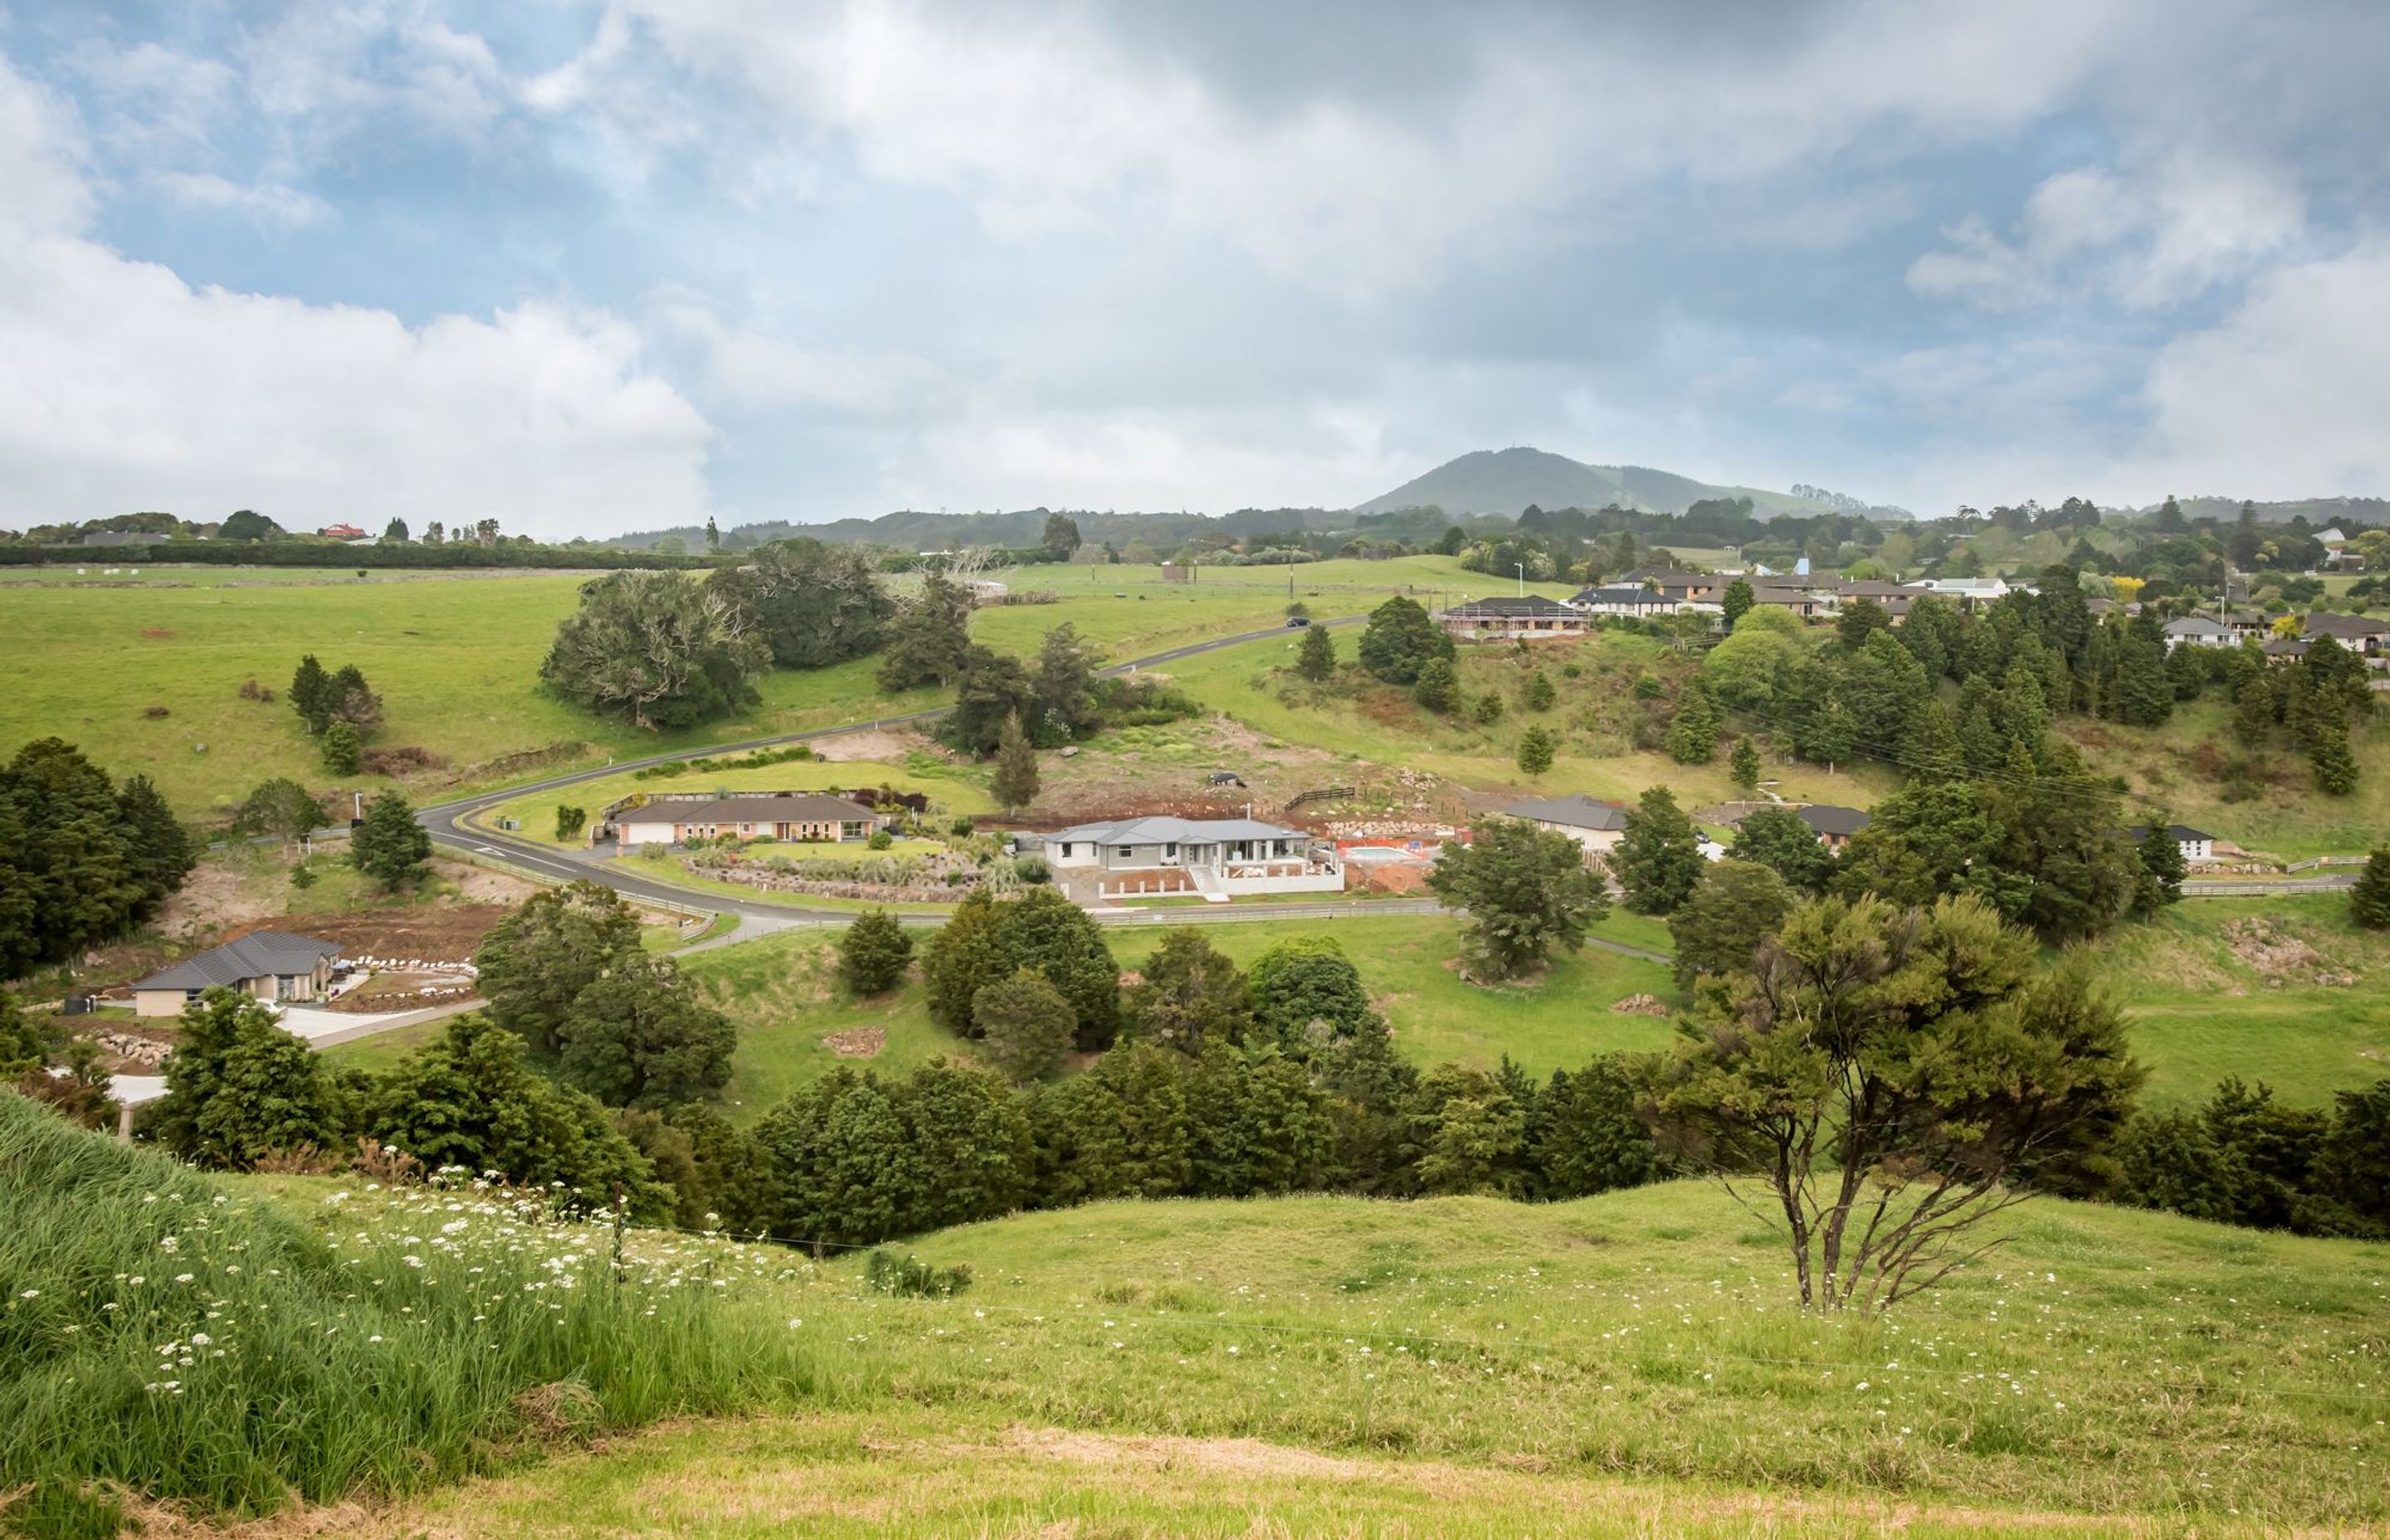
(1522, 578)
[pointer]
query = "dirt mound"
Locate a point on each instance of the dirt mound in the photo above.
(2281, 957)
(432, 934)
(1640, 1005)
(856, 1042)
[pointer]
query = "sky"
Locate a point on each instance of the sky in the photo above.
(595, 265)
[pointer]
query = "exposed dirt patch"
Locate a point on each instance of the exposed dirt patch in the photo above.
(885, 746)
(1242, 1457)
(405, 989)
(444, 933)
(1640, 1005)
(2279, 956)
(856, 1042)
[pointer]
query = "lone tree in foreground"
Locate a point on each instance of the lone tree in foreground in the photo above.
(1526, 891)
(1894, 1078)
(874, 953)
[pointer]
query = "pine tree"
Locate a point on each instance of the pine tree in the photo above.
(390, 847)
(875, 953)
(1737, 600)
(1024, 1025)
(963, 956)
(2162, 867)
(342, 754)
(1016, 780)
(1692, 737)
(1536, 747)
(310, 690)
(1659, 858)
(2335, 768)
(2253, 711)
(1540, 693)
(1744, 765)
(1438, 689)
(1487, 710)
(2369, 901)
(1316, 660)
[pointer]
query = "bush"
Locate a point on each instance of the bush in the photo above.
(961, 828)
(1032, 868)
(880, 839)
(875, 953)
(909, 1278)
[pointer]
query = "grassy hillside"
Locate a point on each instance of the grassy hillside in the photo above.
(2179, 765)
(456, 661)
(1474, 1367)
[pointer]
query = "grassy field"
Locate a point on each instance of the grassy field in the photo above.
(2202, 1009)
(456, 661)
(1384, 726)
(1627, 1365)
(2291, 819)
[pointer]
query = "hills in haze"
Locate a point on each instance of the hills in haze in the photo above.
(1505, 480)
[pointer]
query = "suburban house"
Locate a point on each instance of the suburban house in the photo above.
(1219, 858)
(1893, 598)
(670, 820)
(341, 532)
(2281, 649)
(2368, 637)
(1623, 598)
(1970, 592)
(270, 965)
(1833, 825)
(2197, 631)
(1808, 603)
(1685, 587)
(1597, 825)
(1502, 619)
(2337, 553)
(2196, 845)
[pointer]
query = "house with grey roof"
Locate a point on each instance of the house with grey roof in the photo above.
(1625, 598)
(1216, 858)
(1596, 825)
(1833, 825)
(270, 965)
(1507, 616)
(671, 820)
(2362, 634)
(2196, 845)
(2196, 631)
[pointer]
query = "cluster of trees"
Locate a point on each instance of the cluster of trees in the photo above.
(566, 973)
(1031, 977)
(339, 708)
(81, 859)
(2246, 1159)
(658, 651)
(813, 604)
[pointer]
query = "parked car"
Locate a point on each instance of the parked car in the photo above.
(1298, 621)
(1228, 777)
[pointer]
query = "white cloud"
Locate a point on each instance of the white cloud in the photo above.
(2147, 239)
(747, 367)
(269, 204)
(122, 387)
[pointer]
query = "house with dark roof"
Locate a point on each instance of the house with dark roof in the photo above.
(1623, 598)
(1833, 825)
(270, 965)
(1505, 617)
(1685, 587)
(2196, 845)
(2365, 635)
(1217, 858)
(1597, 825)
(754, 815)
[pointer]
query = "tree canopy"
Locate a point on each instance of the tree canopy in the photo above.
(657, 650)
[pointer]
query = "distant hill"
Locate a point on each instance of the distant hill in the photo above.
(1505, 480)
(2318, 511)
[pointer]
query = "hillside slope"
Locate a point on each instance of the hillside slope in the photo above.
(1505, 480)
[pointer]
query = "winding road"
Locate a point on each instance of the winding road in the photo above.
(446, 821)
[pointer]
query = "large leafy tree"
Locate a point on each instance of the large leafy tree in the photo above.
(1042, 930)
(928, 637)
(1583, 1134)
(1187, 995)
(1658, 858)
(1778, 839)
(1400, 640)
(238, 1087)
(657, 650)
(389, 846)
(1305, 985)
(1024, 1025)
(1063, 683)
(638, 1036)
(1735, 905)
(1061, 535)
(814, 604)
(991, 690)
(81, 860)
(1893, 1078)
(874, 953)
(280, 807)
(1526, 891)
(540, 957)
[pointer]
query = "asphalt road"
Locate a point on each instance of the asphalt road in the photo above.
(445, 821)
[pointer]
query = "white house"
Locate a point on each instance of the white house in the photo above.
(2196, 845)
(2196, 631)
(1219, 858)
(670, 820)
(1597, 825)
(1623, 598)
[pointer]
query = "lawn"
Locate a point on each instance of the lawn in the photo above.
(1627, 1365)
(2201, 1010)
(952, 789)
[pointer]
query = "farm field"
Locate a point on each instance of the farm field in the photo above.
(1631, 1364)
(456, 661)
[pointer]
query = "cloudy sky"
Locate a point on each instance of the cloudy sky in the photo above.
(597, 265)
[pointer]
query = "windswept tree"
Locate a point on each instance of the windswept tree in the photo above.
(1526, 891)
(814, 604)
(657, 650)
(389, 846)
(1891, 1080)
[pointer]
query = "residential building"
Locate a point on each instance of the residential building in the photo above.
(671, 820)
(341, 532)
(118, 537)
(2196, 845)
(1503, 619)
(2196, 631)
(1219, 858)
(1684, 586)
(1596, 825)
(2339, 555)
(1623, 598)
(2281, 649)
(1973, 592)
(2364, 635)
(1893, 598)
(269, 965)
(1806, 603)
(1833, 825)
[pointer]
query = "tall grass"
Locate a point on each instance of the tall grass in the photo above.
(185, 1340)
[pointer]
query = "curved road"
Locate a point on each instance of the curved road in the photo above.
(445, 821)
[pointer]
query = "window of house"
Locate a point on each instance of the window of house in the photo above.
(1170, 850)
(1126, 852)
(1066, 850)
